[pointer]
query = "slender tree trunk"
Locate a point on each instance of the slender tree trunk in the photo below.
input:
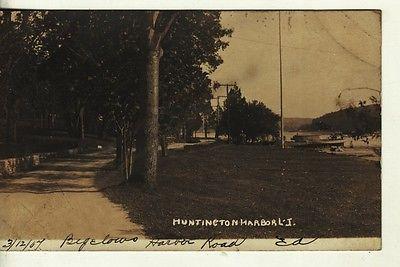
(145, 168)
(11, 121)
(82, 123)
(11, 126)
(184, 133)
(49, 120)
(118, 146)
(71, 125)
(205, 127)
(130, 159)
(164, 145)
(53, 121)
(188, 134)
(41, 120)
(125, 150)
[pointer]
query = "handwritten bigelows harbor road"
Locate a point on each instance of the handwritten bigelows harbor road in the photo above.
(61, 197)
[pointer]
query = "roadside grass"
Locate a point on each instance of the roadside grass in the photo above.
(325, 195)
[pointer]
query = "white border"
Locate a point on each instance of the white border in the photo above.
(192, 4)
(391, 174)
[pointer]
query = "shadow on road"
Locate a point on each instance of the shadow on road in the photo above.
(88, 172)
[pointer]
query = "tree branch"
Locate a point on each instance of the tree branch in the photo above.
(152, 17)
(166, 29)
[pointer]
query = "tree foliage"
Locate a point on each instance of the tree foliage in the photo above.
(190, 55)
(85, 71)
(247, 121)
(360, 120)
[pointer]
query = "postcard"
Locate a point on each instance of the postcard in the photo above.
(200, 130)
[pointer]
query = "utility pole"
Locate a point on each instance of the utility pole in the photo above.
(218, 119)
(280, 78)
(218, 115)
(227, 112)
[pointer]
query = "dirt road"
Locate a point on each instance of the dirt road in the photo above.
(61, 197)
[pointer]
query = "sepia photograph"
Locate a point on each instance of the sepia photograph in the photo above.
(190, 130)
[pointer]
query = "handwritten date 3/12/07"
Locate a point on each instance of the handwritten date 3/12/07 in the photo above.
(26, 244)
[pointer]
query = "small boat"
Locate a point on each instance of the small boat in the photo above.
(317, 140)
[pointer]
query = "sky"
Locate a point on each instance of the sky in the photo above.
(323, 53)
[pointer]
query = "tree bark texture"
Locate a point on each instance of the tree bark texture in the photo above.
(147, 139)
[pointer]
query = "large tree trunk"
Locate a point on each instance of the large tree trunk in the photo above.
(147, 138)
(145, 168)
